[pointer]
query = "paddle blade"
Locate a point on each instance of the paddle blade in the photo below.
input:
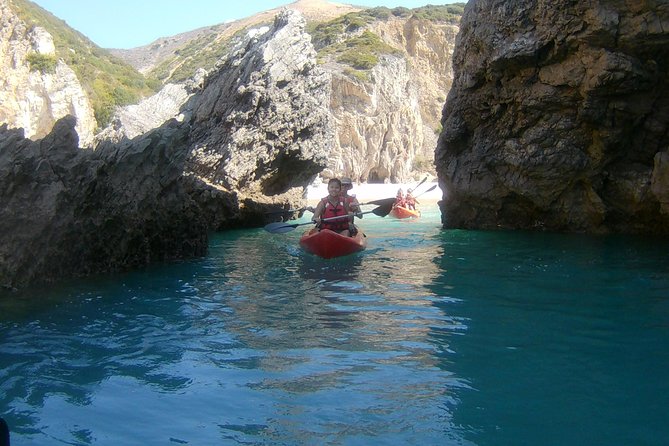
(424, 180)
(429, 190)
(384, 209)
(381, 202)
(279, 227)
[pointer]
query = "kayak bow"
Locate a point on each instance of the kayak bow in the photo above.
(329, 244)
(402, 212)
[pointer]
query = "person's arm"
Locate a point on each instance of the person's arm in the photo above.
(354, 206)
(318, 212)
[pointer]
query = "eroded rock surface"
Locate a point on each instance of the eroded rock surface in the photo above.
(33, 99)
(68, 212)
(252, 134)
(558, 117)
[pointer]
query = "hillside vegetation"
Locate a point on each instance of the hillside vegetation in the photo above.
(108, 81)
(344, 40)
(347, 41)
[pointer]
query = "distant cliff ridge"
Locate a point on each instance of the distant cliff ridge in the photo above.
(558, 118)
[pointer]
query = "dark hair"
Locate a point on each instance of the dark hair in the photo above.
(335, 180)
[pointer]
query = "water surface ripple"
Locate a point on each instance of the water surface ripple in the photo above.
(429, 337)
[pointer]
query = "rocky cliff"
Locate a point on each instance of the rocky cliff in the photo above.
(558, 117)
(259, 125)
(259, 133)
(37, 88)
(387, 125)
(68, 212)
(163, 55)
(251, 134)
(386, 118)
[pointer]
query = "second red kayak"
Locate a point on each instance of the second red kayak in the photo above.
(402, 212)
(329, 244)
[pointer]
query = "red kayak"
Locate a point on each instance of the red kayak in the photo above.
(329, 244)
(402, 212)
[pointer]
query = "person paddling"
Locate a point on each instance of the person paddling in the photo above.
(352, 203)
(334, 205)
(399, 198)
(410, 200)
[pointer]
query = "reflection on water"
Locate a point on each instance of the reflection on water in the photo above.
(427, 337)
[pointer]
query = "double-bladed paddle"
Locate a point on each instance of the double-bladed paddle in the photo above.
(380, 202)
(417, 185)
(429, 190)
(280, 227)
(384, 201)
(285, 211)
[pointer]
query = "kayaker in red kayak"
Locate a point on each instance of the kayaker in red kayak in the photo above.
(399, 198)
(334, 205)
(410, 200)
(352, 202)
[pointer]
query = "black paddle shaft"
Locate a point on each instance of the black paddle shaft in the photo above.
(279, 227)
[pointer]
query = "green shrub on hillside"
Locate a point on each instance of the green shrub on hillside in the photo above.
(440, 13)
(357, 74)
(360, 52)
(329, 33)
(107, 80)
(380, 13)
(360, 61)
(333, 39)
(44, 63)
(401, 11)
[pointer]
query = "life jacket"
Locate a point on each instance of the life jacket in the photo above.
(331, 210)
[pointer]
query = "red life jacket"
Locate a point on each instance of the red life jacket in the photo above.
(331, 210)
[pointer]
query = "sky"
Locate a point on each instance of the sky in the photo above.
(133, 23)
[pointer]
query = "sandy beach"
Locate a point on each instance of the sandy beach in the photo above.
(366, 192)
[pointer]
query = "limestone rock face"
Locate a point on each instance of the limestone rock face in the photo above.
(258, 124)
(428, 49)
(261, 125)
(387, 126)
(379, 125)
(33, 100)
(558, 117)
(252, 131)
(68, 212)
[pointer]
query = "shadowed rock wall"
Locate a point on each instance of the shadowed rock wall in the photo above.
(68, 212)
(558, 117)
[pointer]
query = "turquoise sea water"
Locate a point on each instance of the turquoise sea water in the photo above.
(429, 337)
